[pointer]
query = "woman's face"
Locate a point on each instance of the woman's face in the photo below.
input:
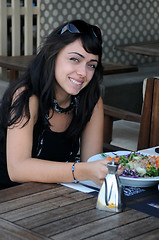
(74, 68)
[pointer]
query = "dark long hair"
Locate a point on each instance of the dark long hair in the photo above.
(39, 79)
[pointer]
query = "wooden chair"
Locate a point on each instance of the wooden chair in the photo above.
(149, 119)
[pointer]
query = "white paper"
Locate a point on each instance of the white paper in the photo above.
(78, 187)
(91, 184)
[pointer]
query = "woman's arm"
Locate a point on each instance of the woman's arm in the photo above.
(92, 144)
(92, 137)
(21, 166)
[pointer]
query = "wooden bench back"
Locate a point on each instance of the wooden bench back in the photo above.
(149, 127)
(149, 118)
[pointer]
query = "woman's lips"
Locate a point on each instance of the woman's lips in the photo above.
(76, 82)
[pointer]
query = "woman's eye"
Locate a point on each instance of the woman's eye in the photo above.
(92, 66)
(74, 59)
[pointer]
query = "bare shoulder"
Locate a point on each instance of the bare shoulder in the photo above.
(99, 105)
(34, 101)
(100, 102)
(98, 111)
(34, 106)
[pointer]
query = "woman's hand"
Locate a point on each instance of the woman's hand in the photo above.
(98, 170)
(120, 169)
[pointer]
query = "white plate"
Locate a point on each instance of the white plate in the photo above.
(127, 181)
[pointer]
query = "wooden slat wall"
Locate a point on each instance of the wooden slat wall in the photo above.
(3, 34)
(28, 31)
(3, 27)
(15, 11)
(15, 28)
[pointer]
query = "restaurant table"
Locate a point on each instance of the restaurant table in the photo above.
(145, 48)
(39, 211)
(20, 63)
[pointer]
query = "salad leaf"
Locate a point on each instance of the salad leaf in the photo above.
(138, 165)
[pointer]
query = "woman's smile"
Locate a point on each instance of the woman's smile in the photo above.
(76, 82)
(74, 68)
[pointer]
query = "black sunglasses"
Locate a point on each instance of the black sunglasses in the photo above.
(79, 26)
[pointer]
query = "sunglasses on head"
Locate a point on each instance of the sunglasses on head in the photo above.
(82, 27)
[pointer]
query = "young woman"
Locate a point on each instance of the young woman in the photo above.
(54, 108)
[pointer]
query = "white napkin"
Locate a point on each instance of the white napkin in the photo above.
(149, 151)
(78, 187)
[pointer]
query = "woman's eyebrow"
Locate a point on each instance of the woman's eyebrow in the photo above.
(77, 54)
(94, 60)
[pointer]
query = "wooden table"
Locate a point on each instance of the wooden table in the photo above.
(116, 68)
(20, 63)
(15, 64)
(148, 48)
(50, 211)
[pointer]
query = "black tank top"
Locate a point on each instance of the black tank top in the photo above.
(54, 146)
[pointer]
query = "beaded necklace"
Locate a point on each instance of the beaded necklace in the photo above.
(74, 104)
